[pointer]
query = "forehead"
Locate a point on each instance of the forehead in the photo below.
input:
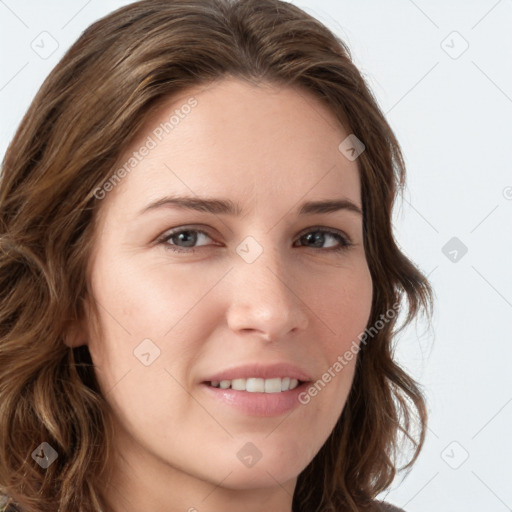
(260, 143)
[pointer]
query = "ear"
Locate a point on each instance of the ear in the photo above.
(76, 335)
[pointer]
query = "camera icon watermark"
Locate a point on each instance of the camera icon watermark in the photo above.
(249, 454)
(455, 455)
(454, 45)
(454, 249)
(146, 352)
(249, 249)
(351, 147)
(44, 455)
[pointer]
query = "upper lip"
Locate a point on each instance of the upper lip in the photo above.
(262, 371)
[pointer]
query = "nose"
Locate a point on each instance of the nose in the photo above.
(265, 298)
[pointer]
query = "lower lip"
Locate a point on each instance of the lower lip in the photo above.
(258, 404)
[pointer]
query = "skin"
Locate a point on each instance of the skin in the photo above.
(269, 149)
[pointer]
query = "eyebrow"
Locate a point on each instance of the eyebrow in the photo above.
(219, 206)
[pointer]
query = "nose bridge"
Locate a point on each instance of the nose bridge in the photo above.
(263, 295)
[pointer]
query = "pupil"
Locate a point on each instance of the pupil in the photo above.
(183, 236)
(316, 237)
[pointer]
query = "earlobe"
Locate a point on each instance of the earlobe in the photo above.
(75, 336)
(77, 332)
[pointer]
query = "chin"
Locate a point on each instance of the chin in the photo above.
(260, 476)
(268, 465)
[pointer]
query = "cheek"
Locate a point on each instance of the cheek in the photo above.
(138, 308)
(140, 301)
(345, 307)
(146, 299)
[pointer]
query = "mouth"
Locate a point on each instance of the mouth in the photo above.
(254, 400)
(257, 389)
(257, 385)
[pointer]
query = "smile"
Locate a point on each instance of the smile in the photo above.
(258, 385)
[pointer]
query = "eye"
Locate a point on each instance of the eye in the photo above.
(184, 240)
(188, 237)
(318, 236)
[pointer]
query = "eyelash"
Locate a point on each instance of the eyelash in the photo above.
(345, 243)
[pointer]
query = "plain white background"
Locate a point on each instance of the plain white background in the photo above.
(441, 71)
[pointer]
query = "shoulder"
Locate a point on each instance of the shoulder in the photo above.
(387, 507)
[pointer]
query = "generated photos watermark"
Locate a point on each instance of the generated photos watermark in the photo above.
(151, 142)
(344, 359)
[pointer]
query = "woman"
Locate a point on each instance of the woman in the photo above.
(200, 282)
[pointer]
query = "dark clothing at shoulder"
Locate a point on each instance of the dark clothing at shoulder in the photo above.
(387, 507)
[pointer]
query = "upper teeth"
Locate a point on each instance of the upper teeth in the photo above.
(254, 385)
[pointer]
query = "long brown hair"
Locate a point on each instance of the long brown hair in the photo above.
(84, 116)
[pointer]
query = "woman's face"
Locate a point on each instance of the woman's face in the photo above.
(255, 284)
